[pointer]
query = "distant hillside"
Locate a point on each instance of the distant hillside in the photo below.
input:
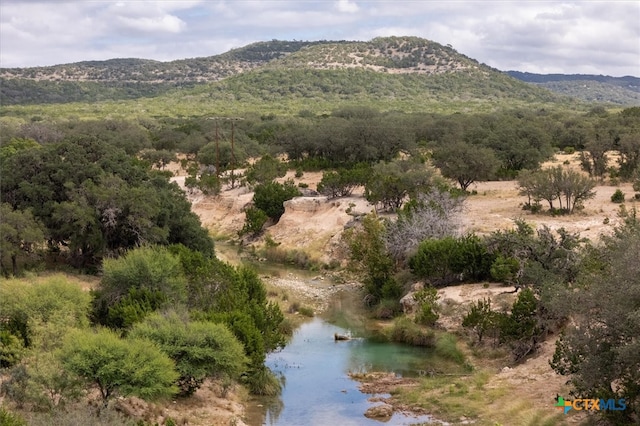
(130, 70)
(403, 69)
(624, 91)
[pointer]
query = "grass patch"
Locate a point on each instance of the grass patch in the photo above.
(306, 311)
(404, 330)
(297, 308)
(447, 347)
(450, 399)
(298, 258)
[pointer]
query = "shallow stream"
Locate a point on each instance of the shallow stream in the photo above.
(317, 388)
(315, 368)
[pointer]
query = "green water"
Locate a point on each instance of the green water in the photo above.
(318, 389)
(315, 368)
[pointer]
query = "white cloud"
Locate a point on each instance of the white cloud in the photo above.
(165, 23)
(346, 6)
(569, 37)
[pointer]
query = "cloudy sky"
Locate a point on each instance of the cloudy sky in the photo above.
(593, 37)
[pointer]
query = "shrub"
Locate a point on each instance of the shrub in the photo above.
(521, 323)
(42, 383)
(452, 259)
(119, 367)
(504, 269)
(8, 418)
(617, 197)
(368, 254)
(262, 381)
(306, 311)
(342, 182)
(270, 197)
(254, 221)
(199, 349)
(521, 329)
(209, 184)
(38, 313)
(406, 331)
(481, 319)
(427, 306)
(447, 348)
(387, 308)
(11, 349)
(265, 170)
(294, 307)
(133, 307)
(143, 280)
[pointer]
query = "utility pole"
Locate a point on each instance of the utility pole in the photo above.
(217, 152)
(233, 152)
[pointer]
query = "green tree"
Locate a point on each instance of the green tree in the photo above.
(523, 328)
(342, 182)
(209, 183)
(594, 158)
(115, 133)
(41, 381)
(237, 298)
(265, 170)
(254, 221)
(465, 163)
(599, 349)
(140, 282)
(505, 269)
(270, 197)
(222, 155)
(451, 259)
(39, 314)
(96, 200)
(481, 319)
(518, 140)
(159, 158)
(568, 187)
(542, 256)
(119, 367)
(428, 308)
(391, 183)
(15, 145)
(20, 235)
(627, 141)
(368, 255)
(199, 349)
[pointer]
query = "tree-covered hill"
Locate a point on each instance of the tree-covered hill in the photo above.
(399, 69)
(591, 88)
(212, 68)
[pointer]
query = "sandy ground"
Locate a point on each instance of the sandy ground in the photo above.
(209, 406)
(314, 223)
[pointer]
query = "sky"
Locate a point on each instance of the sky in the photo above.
(568, 37)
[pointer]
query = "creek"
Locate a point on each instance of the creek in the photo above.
(317, 388)
(314, 368)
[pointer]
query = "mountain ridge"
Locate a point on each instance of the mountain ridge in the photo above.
(588, 87)
(133, 78)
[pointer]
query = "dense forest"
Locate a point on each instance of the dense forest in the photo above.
(86, 192)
